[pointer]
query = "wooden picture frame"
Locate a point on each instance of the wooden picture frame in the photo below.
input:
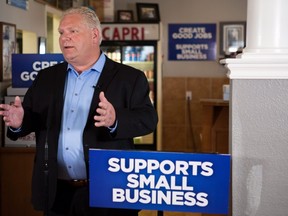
(8, 47)
(147, 12)
(125, 16)
(232, 37)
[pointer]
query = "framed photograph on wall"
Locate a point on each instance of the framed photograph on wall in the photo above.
(7, 47)
(125, 16)
(232, 37)
(147, 12)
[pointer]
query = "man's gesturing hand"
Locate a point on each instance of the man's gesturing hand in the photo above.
(12, 114)
(106, 111)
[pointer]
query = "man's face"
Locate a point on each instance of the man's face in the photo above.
(76, 40)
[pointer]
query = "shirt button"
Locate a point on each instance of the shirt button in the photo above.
(67, 148)
(72, 111)
(69, 167)
(76, 94)
(68, 129)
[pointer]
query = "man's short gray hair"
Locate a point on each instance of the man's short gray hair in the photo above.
(90, 17)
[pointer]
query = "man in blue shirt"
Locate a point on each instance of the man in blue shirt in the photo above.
(88, 101)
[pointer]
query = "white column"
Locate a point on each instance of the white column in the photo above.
(266, 53)
(267, 28)
(259, 113)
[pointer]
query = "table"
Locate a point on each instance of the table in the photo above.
(215, 126)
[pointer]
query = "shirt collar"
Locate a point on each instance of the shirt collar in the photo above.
(98, 66)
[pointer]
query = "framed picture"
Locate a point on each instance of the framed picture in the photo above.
(125, 16)
(232, 37)
(8, 46)
(147, 12)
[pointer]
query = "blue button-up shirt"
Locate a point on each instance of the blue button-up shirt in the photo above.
(78, 96)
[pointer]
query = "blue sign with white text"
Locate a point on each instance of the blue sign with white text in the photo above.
(23, 4)
(25, 67)
(164, 181)
(192, 42)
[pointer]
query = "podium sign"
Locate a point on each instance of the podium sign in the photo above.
(164, 181)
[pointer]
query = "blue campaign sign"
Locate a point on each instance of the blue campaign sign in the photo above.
(164, 181)
(25, 67)
(192, 42)
(24, 4)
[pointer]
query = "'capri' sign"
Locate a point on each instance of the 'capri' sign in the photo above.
(160, 181)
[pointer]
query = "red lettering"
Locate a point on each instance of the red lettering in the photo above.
(142, 33)
(125, 32)
(134, 34)
(116, 35)
(104, 30)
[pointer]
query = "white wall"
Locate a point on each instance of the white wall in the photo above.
(192, 11)
(258, 113)
(259, 147)
(33, 20)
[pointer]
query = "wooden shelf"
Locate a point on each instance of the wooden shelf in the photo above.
(215, 125)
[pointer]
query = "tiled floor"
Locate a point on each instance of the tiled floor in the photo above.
(154, 213)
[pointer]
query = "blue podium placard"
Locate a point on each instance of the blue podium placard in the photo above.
(164, 181)
(25, 67)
